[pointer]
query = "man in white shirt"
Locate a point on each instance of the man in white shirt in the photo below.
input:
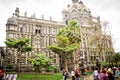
(96, 74)
(73, 74)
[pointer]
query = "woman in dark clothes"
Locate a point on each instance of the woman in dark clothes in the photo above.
(110, 76)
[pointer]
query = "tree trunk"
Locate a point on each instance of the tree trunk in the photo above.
(18, 63)
(66, 66)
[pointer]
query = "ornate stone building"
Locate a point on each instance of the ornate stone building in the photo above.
(43, 33)
(94, 42)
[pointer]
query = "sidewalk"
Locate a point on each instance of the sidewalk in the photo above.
(85, 78)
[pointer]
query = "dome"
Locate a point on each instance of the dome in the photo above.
(12, 20)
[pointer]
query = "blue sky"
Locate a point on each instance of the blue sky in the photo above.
(108, 10)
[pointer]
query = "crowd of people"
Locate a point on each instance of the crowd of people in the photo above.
(107, 73)
(75, 74)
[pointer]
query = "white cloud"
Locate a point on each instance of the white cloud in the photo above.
(108, 10)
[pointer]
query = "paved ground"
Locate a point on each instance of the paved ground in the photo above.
(86, 78)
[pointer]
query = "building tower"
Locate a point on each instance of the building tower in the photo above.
(90, 27)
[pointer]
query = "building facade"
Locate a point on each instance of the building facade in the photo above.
(94, 43)
(42, 33)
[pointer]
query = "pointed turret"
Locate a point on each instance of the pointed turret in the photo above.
(25, 14)
(50, 18)
(33, 16)
(42, 16)
(17, 12)
(74, 1)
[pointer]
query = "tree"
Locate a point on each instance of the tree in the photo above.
(67, 41)
(21, 45)
(116, 58)
(101, 40)
(41, 62)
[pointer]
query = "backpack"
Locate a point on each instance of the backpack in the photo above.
(67, 74)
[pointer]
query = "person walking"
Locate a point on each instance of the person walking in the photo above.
(96, 74)
(77, 74)
(65, 74)
(103, 75)
(110, 74)
(73, 74)
(117, 74)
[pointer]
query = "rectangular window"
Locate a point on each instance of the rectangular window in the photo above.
(39, 31)
(11, 35)
(35, 31)
(21, 29)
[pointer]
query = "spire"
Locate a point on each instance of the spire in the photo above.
(34, 15)
(50, 18)
(42, 16)
(17, 12)
(74, 1)
(25, 14)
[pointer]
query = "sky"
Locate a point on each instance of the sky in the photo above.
(108, 10)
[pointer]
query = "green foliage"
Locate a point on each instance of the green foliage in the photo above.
(64, 52)
(21, 45)
(94, 63)
(72, 31)
(104, 63)
(10, 66)
(68, 40)
(10, 43)
(50, 68)
(116, 57)
(40, 62)
(62, 41)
